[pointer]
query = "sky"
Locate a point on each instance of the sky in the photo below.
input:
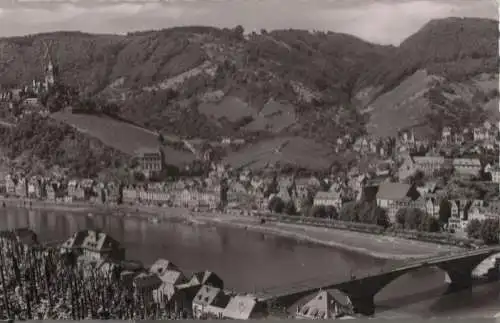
(378, 21)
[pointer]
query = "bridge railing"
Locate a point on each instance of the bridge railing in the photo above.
(320, 281)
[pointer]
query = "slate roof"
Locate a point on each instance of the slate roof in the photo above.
(208, 295)
(393, 191)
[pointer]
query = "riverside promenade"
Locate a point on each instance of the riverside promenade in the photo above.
(379, 246)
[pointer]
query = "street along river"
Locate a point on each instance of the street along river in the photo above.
(249, 261)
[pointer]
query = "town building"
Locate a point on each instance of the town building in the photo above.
(429, 164)
(10, 185)
(244, 307)
(24, 236)
(390, 194)
(325, 305)
(467, 166)
(328, 199)
(150, 161)
(145, 285)
(94, 245)
(210, 302)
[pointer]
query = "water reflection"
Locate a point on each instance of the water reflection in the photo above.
(251, 261)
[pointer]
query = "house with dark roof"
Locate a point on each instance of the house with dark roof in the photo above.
(145, 284)
(244, 307)
(390, 195)
(99, 245)
(162, 265)
(206, 278)
(325, 305)
(209, 302)
(74, 242)
(94, 245)
(23, 236)
(167, 294)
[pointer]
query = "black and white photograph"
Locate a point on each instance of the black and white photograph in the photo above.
(249, 160)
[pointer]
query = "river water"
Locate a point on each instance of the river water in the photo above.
(249, 261)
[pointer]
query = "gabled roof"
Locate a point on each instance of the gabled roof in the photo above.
(393, 191)
(161, 265)
(240, 307)
(321, 306)
(167, 290)
(99, 241)
(205, 278)
(208, 295)
(22, 235)
(146, 280)
(75, 240)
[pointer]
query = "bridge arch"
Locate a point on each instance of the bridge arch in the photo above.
(458, 273)
(362, 290)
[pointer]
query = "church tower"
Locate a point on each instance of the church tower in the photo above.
(51, 72)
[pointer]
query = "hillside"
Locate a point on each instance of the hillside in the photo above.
(446, 63)
(123, 137)
(38, 145)
(170, 73)
(204, 82)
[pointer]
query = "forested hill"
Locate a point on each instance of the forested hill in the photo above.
(207, 82)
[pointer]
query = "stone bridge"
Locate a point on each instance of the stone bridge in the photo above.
(361, 291)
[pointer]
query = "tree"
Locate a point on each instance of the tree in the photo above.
(417, 178)
(290, 208)
(430, 224)
(139, 177)
(380, 217)
(401, 217)
(161, 139)
(349, 212)
(276, 205)
(318, 211)
(413, 218)
(239, 31)
(489, 231)
(444, 211)
(331, 212)
(474, 229)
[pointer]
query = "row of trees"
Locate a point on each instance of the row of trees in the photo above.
(416, 219)
(361, 212)
(487, 230)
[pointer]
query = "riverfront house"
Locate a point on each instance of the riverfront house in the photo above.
(390, 195)
(244, 307)
(24, 236)
(94, 245)
(210, 302)
(325, 305)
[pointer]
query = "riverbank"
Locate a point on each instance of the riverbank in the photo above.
(378, 246)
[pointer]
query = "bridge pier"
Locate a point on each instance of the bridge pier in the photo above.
(459, 279)
(364, 305)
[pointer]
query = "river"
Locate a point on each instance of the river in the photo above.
(250, 261)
